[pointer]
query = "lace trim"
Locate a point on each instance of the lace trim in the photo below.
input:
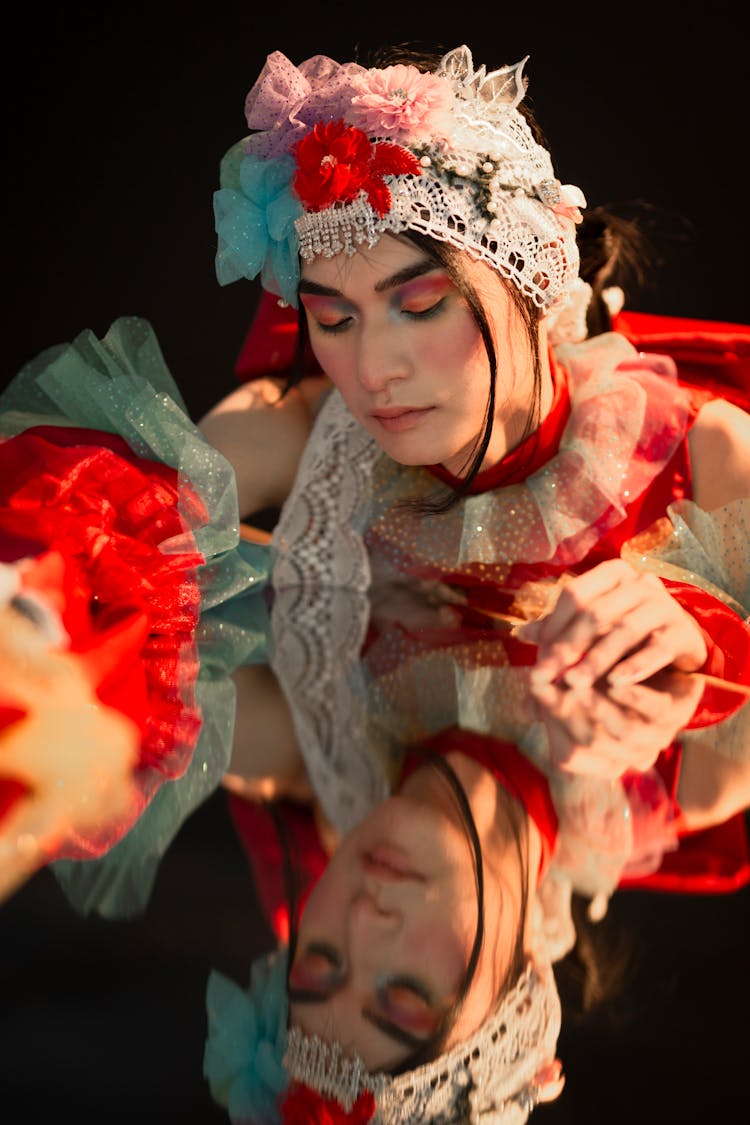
(315, 540)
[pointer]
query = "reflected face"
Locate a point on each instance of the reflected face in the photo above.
(387, 932)
(393, 333)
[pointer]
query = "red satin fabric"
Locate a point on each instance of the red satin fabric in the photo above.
(271, 342)
(258, 832)
(711, 354)
(728, 642)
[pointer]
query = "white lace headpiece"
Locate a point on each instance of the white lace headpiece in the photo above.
(263, 1072)
(342, 154)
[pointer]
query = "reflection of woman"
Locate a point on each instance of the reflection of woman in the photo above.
(467, 433)
(414, 676)
(419, 949)
(417, 675)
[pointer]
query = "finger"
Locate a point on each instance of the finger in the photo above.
(562, 707)
(591, 734)
(676, 699)
(579, 593)
(624, 738)
(655, 655)
(575, 747)
(637, 624)
(602, 619)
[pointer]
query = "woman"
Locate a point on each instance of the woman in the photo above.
(542, 463)
(467, 435)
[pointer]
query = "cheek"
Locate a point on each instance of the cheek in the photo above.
(324, 905)
(446, 940)
(456, 345)
(333, 358)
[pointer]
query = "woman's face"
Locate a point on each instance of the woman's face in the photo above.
(393, 333)
(387, 932)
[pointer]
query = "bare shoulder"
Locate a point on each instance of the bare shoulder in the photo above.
(262, 432)
(720, 454)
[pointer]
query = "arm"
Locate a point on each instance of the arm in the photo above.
(719, 445)
(615, 623)
(711, 787)
(266, 762)
(262, 435)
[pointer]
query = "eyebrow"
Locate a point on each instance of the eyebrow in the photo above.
(392, 1030)
(400, 277)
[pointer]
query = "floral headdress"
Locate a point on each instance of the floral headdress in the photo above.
(340, 154)
(266, 1075)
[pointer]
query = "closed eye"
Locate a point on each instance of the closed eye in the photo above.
(404, 1011)
(409, 1003)
(334, 327)
(426, 313)
(316, 973)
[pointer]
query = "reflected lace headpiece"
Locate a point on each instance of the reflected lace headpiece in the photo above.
(340, 154)
(265, 1075)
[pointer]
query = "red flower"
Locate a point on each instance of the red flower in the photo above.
(305, 1106)
(335, 162)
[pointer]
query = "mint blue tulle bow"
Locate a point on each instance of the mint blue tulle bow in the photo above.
(254, 213)
(247, 1033)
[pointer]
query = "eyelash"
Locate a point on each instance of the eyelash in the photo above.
(402, 982)
(328, 953)
(422, 314)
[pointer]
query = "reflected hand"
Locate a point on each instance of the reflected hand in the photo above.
(605, 731)
(614, 622)
(415, 604)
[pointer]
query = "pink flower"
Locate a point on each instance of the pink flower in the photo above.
(400, 102)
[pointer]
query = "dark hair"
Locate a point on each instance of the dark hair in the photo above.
(597, 977)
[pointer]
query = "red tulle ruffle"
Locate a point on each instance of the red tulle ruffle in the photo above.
(108, 542)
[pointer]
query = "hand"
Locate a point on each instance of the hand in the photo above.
(72, 758)
(615, 622)
(605, 731)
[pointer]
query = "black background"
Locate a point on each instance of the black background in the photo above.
(114, 123)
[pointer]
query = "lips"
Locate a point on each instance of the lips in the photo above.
(396, 418)
(389, 863)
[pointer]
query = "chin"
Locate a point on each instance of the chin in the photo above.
(409, 453)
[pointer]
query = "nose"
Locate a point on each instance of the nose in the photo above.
(370, 914)
(380, 359)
